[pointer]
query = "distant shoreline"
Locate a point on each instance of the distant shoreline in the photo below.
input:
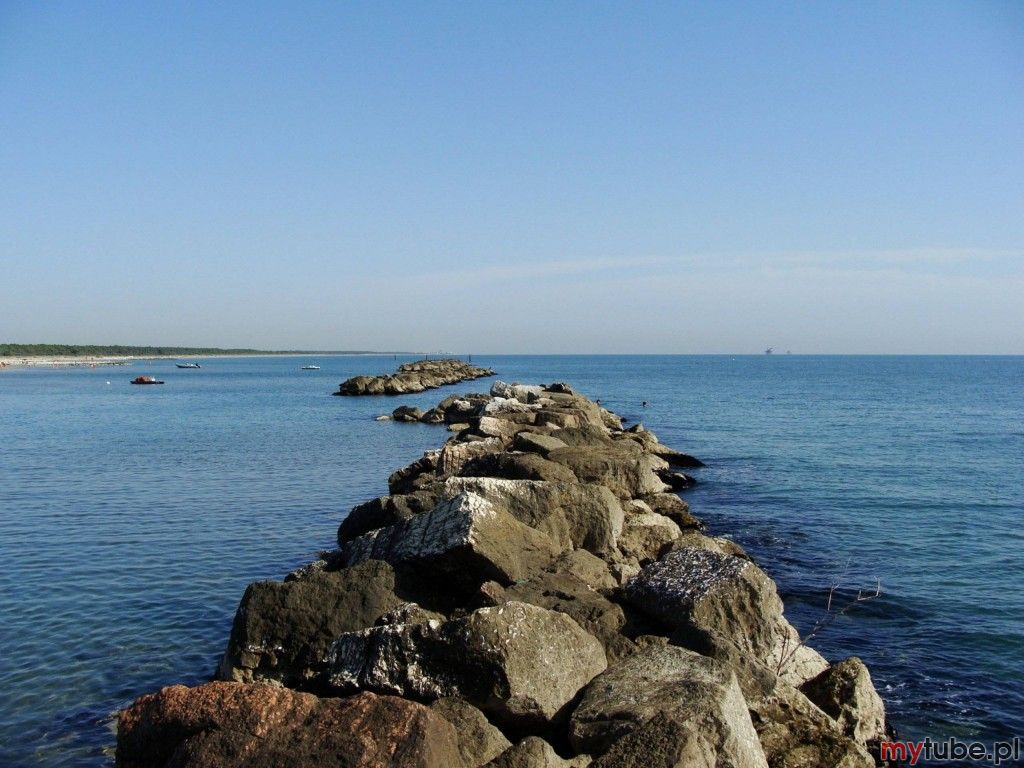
(86, 361)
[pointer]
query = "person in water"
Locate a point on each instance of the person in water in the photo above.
(644, 403)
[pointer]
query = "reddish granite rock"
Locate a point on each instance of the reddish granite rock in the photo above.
(231, 725)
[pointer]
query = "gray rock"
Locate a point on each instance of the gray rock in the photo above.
(729, 597)
(573, 515)
(282, 631)
(670, 706)
(465, 539)
(382, 512)
(479, 741)
(521, 664)
(845, 693)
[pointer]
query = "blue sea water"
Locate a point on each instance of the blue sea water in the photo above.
(132, 518)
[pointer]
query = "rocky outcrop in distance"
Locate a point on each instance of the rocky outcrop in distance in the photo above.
(414, 377)
(534, 593)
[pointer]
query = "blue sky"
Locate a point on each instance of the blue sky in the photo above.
(518, 177)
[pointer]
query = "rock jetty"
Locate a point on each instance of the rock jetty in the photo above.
(414, 377)
(532, 594)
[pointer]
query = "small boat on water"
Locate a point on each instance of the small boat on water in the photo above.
(145, 380)
(311, 367)
(188, 365)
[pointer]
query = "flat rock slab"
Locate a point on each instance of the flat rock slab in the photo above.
(231, 725)
(519, 663)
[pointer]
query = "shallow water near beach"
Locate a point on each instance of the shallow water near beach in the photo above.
(132, 518)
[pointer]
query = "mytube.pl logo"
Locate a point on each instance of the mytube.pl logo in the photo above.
(912, 752)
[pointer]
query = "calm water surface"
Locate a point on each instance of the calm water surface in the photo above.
(132, 518)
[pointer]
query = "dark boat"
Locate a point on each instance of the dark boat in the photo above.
(145, 380)
(188, 365)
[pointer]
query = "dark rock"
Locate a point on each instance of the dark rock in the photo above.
(282, 631)
(677, 481)
(382, 512)
(230, 725)
(519, 663)
(517, 466)
(407, 413)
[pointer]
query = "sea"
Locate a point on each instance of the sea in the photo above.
(132, 518)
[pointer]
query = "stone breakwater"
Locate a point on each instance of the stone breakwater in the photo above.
(532, 594)
(414, 377)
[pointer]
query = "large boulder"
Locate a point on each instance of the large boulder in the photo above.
(479, 741)
(454, 455)
(727, 596)
(384, 511)
(465, 539)
(845, 693)
(521, 664)
(231, 725)
(565, 593)
(571, 514)
(794, 733)
(628, 475)
(283, 630)
(672, 707)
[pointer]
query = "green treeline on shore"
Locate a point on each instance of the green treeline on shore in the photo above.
(117, 350)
